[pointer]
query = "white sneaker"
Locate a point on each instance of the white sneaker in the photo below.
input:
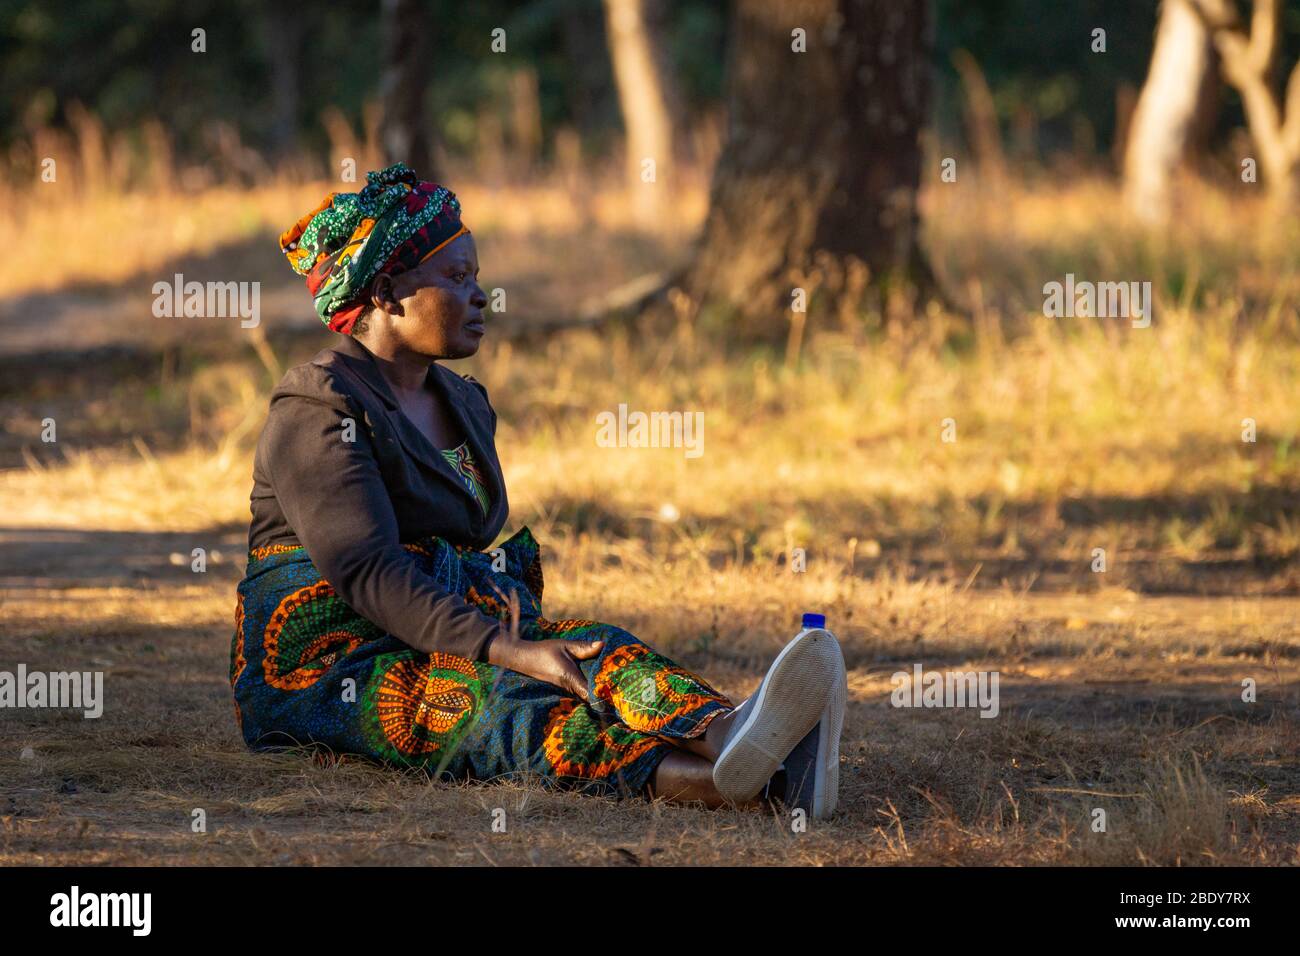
(792, 698)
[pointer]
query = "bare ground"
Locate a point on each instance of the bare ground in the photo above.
(1110, 700)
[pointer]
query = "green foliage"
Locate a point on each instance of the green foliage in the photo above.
(130, 60)
(1037, 58)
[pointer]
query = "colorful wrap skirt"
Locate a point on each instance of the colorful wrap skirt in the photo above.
(309, 672)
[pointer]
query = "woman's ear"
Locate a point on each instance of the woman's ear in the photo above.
(383, 295)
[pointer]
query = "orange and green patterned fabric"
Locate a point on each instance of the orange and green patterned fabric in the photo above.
(308, 672)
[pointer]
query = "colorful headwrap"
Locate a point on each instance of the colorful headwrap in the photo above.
(395, 223)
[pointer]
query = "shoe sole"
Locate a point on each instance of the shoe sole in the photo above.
(788, 704)
(826, 774)
(826, 792)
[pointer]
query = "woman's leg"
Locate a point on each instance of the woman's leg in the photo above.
(683, 777)
(652, 697)
(642, 689)
(711, 742)
(629, 681)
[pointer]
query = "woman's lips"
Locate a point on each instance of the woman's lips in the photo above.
(476, 326)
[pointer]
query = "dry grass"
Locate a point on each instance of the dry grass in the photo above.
(1066, 442)
(1140, 718)
(1120, 691)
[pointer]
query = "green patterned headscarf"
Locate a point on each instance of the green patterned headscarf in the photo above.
(395, 223)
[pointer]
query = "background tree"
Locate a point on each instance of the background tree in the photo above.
(636, 50)
(403, 127)
(816, 186)
(1165, 119)
(282, 34)
(1249, 57)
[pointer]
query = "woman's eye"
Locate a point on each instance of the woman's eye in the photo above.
(459, 276)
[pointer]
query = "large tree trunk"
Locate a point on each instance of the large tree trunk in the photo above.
(1165, 120)
(403, 128)
(635, 50)
(819, 175)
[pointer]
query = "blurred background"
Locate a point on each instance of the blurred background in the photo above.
(176, 151)
(825, 224)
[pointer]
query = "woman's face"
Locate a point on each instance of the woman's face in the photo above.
(436, 309)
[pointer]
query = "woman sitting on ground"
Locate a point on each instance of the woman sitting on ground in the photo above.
(371, 620)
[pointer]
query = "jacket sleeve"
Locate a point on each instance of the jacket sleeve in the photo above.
(333, 496)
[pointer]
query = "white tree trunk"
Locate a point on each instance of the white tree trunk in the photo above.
(1166, 111)
(644, 104)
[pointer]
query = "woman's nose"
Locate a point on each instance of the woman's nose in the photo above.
(478, 298)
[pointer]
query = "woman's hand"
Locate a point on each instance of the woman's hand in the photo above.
(553, 661)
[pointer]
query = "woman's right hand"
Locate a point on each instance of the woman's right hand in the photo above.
(553, 661)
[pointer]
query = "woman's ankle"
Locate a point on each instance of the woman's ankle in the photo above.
(715, 736)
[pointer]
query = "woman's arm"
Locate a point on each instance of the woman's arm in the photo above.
(555, 662)
(333, 496)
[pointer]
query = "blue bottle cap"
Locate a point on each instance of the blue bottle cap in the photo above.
(814, 620)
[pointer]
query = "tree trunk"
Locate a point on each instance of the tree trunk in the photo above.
(817, 183)
(403, 128)
(635, 50)
(284, 32)
(1165, 120)
(591, 100)
(1248, 57)
(981, 120)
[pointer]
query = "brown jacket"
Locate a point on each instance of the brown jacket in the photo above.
(352, 504)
